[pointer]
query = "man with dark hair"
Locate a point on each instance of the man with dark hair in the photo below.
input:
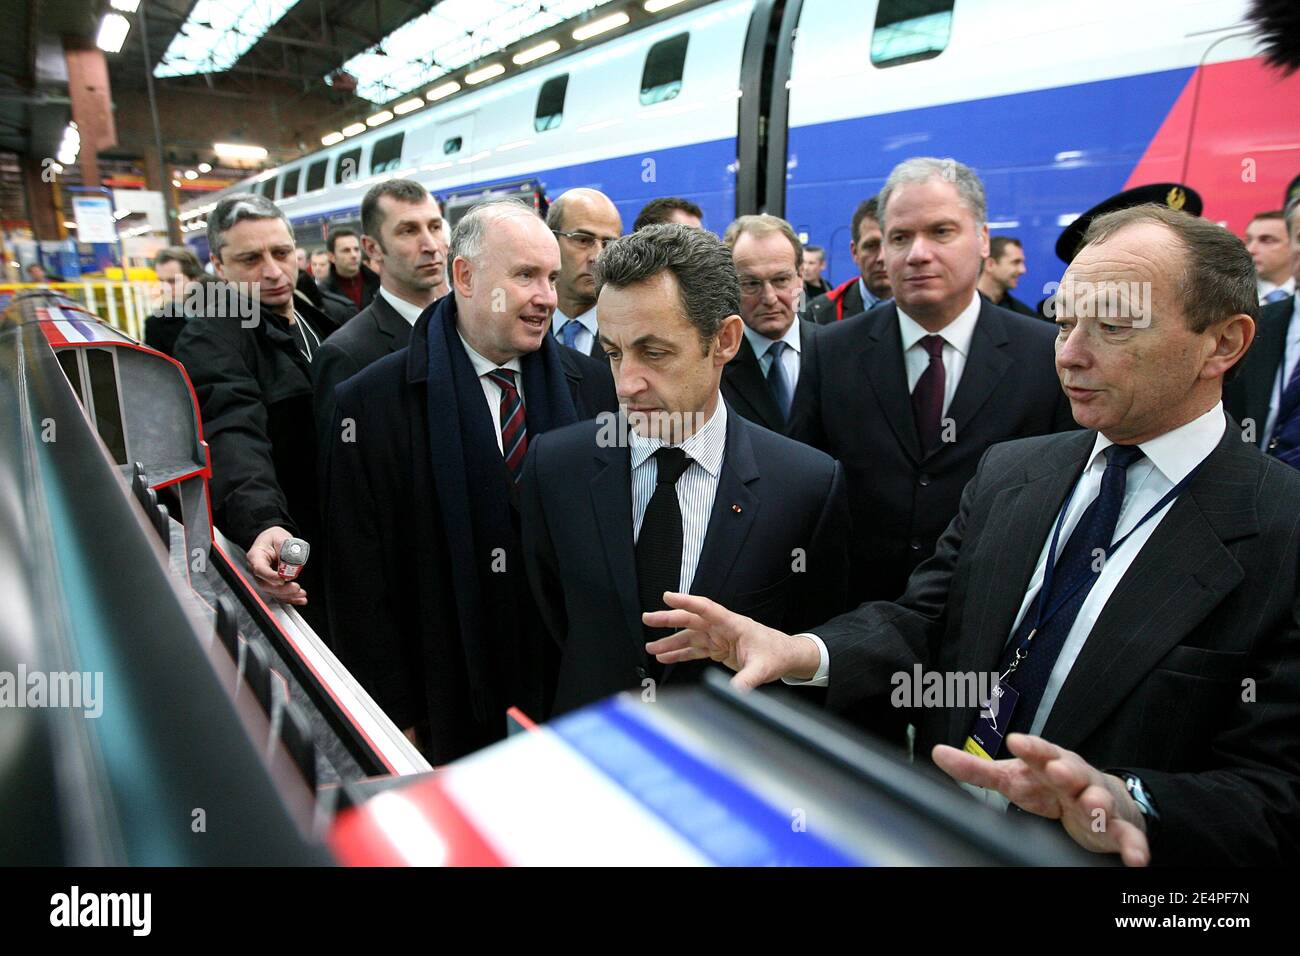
(1266, 241)
(429, 601)
(1265, 396)
(762, 381)
(1132, 587)
(403, 230)
(871, 286)
(814, 264)
(178, 270)
(679, 492)
(251, 374)
(584, 221)
(669, 209)
(348, 276)
(319, 263)
(1002, 271)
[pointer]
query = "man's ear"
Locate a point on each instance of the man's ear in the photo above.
(372, 249)
(728, 339)
(216, 265)
(1230, 345)
(462, 276)
(984, 241)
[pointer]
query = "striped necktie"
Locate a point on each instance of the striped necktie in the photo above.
(514, 431)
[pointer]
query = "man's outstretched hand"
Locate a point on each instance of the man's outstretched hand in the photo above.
(1094, 807)
(757, 653)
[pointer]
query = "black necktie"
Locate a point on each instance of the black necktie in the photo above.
(659, 546)
(927, 396)
(777, 382)
(1077, 567)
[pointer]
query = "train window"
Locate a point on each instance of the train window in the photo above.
(108, 410)
(347, 166)
(550, 103)
(664, 65)
(265, 188)
(316, 175)
(289, 183)
(387, 154)
(451, 146)
(910, 30)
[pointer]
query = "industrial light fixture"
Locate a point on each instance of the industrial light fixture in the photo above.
(112, 32)
(126, 6)
(176, 183)
(486, 73)
(354, 128)
(239, 151)
(438, 92)
(69, 225)
(603, 25)
(205, 167)
(329, 139)
(408, 106)
(536, 53)
(191, 174)
(654, 6)
(383, 116)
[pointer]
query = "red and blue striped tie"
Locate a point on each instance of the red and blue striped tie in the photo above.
(514, 432)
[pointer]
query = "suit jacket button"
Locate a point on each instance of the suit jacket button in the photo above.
(914, 544)
(641, 673)
(923, 480)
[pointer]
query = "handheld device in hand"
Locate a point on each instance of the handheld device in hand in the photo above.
(293, 555)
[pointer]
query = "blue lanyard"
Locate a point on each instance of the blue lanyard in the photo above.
(1043, 614)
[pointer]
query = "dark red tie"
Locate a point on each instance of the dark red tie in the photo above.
(514, 432)
(927, 397)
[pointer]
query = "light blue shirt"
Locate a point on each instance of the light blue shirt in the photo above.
(586, 335)
(1290, 355)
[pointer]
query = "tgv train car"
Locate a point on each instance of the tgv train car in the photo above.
(800, 108)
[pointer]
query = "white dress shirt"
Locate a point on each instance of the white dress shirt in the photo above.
(586, 335)
(696, 488)
(491, 390)
(1169, 459)
(1265, 287)
(789, 359)
(407, 310)
(1290, 354)
(957, 336)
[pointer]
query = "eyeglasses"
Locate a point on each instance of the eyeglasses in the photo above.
(585, 240)
(752, 285)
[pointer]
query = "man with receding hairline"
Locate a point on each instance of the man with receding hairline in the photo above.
(584, 221)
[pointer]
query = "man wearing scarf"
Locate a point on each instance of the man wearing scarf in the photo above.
(425, 574)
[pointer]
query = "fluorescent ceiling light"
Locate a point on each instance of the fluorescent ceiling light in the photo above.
(453, 35)
(239, 151)
(603, 25)
(654, 6)
(176, 183)
(536, 53)
(126, 6)
(69, 225)
(408, 106)
(354, 128)
(191, 174)
(383, 116)
(205, 167)
(438, 92)
(487, 73)
(329, 139)
(217, 33)
(112, 32)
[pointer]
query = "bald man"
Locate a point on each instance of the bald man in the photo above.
(584, 222)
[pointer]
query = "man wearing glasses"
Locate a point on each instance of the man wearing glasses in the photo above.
(584, 222)
(762, 381)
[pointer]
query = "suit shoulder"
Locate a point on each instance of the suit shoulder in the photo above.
(581, 363)
(377, 382)
(1277, 311)
(1023, 328)
(771, 447)
(569, 443)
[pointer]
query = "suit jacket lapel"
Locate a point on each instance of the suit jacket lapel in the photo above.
(985, 366)
(745, 375)
(1180, 575)
(882, 366)
(389, 322)
(611, 500)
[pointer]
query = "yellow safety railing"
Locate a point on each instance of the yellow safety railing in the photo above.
(123, 305)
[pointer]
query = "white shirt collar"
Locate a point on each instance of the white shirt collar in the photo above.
(481, 365)
(957, 333)
(407, 310)
(1177, 452)
(705, 445)
(588, 320)
(761, 343)
(1266, 287)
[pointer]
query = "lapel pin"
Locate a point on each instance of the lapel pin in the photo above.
(736, 508)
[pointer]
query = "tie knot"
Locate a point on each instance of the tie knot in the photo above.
(776, 349)
(934, 345)
(671, 462)
(1121, 456)
(504, 377)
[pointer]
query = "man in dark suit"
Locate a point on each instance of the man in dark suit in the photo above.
(871, 285)
(1265, 394)
(1002, 271)
(428, 597)
(404, 233)
(908, 396)
(680, 493)
(762, 382)
(251, 374)
(584, 221)
(349, 277)
(1149, 695)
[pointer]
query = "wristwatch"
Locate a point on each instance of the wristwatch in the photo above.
(1138, 791)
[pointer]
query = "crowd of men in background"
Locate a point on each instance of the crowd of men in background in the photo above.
(543, 460)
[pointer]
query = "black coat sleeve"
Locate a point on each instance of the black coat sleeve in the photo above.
(824, 586)
(330, 366)
(540, 558)
(806, 424)
(246, 495)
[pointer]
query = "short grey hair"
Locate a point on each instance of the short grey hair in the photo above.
(699, 260)
(468, 234)
(236, 208)
(923, 169)
(761, 225)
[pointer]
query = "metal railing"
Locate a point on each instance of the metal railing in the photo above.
(122, 304)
